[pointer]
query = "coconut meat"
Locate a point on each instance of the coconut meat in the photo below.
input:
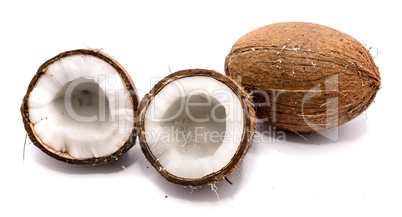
(80, 106)
(193, 126)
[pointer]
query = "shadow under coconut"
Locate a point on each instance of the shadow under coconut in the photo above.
(268, 139)
(119, 165)
(349, 131)
(203, 194)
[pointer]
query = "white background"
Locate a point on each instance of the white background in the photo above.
(357, 175)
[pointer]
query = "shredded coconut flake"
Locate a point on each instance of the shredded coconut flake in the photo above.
(215, 189)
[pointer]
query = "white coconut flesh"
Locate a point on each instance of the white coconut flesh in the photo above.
(80, 106)
(194, 126)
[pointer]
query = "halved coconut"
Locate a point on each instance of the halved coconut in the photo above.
(79, 108)
(196, 126)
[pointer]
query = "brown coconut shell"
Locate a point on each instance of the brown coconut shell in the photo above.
(310, 77)
(246, 141)
(65, 157)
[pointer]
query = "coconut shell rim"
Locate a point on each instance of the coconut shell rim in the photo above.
(65, 157)
(245, 144)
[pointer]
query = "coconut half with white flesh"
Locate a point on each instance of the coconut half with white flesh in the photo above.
(196, 126)
(79, 108)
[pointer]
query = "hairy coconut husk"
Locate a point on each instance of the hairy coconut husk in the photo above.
(29, 127)
(249, 128)
(314, 77)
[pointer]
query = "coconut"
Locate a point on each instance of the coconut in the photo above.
(195, 126)
(304, 77)
(79, 108)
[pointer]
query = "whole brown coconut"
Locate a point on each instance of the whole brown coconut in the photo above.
(304, 77)
(73, 108)
(195, 127)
